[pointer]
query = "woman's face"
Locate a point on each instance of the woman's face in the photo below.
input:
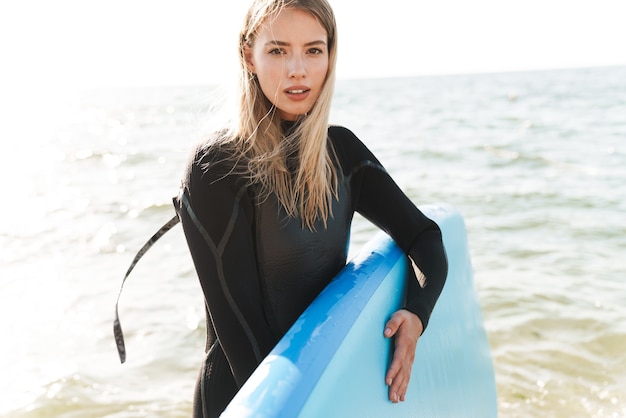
(290, 58)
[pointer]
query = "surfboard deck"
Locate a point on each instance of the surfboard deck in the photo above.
(333, 360)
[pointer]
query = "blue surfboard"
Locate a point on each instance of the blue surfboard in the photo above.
(333, 360)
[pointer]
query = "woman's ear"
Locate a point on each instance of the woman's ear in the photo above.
(249, 58)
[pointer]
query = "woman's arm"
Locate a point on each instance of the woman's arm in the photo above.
(378, 198)
(385, 205)
(215, 213)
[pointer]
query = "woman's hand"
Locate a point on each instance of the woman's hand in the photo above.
(406, 327)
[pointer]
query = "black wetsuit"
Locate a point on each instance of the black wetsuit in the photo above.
(259, 269)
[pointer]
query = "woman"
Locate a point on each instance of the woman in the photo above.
(266, 205)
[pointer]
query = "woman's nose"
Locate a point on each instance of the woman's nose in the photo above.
(296, 67)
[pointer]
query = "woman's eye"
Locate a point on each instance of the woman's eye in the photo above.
(276, 51)
(315, 51)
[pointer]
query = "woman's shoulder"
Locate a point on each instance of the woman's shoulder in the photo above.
(339, 132)
(348, 146)
(212, 149)
(212, 158)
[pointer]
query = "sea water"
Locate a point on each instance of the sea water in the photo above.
(535, 162)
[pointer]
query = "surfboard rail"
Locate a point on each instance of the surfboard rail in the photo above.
(333, 360)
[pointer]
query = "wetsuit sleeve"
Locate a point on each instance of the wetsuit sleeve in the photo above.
(215, 212)
(378, 198)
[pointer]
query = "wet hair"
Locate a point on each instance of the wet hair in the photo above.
(261, 140)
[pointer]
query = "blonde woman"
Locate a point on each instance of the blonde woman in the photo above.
(267, 203)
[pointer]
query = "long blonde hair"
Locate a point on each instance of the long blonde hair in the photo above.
(260, 139)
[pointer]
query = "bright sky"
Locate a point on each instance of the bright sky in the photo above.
(163, 42)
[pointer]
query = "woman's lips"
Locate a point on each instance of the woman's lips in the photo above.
(297, 93)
